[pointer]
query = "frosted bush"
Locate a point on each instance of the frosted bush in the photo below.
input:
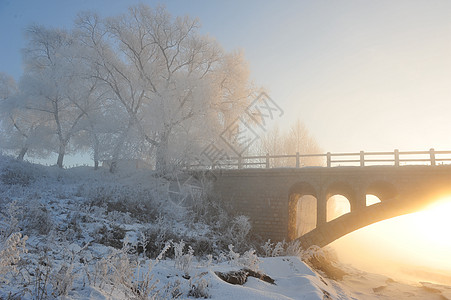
(183, 262)
(144, 287)
(137, 202)
(17, 174)
(10, 251)
(199, 289)
(158, 235)
(250, 260)
(10, 221)
(163, 252)
(209, 260)
(294, 248)
(274, 250)
(312, 252)
(63, 279)
(282, 248)
(239, 230)
(315, 252)
(233, 256)
(267, 248)
(41, 278)
(37, 218)
(119, 217)
(116, 269)
(278, 249)
(123, 271)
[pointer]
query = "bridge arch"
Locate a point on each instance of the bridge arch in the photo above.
(371, 200)
(344, 189)
(382, 190)
(336, 206)
(301, 193)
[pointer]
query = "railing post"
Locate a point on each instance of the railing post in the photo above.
(240, 163)
(396, 158)
(362, 159)
(297, 160)
(267, 160)
(432, 154)
(329, 160)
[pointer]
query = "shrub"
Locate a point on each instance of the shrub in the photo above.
(63, 279)
(157, 236)
(137, 203)
(10, 251)
(202, 246)
(111, 237)
(199, 289)
(248, 260)
(324, 260)
(183, 262)
(292, 248)
(16, 175)
(38, 219)
(237, 233)
(10, 220)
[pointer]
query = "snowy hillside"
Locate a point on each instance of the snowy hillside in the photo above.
(85, 234)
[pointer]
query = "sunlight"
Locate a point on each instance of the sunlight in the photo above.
(419, 239)
(434, 223)
(337, 206)
(306, 214)
(371, 199)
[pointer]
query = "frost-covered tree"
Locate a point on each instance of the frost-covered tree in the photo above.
(299, 139)
(296, 139)
(171, 81)
(53, 82)
(140, 85)
(22, 131)
(8, 86)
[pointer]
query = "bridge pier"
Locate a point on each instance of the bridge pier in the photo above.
(321, 209)
(359, 202)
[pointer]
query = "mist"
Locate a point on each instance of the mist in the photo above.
(410, 248)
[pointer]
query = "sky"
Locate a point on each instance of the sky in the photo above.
(362, 75)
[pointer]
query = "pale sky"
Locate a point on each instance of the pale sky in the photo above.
(362, 75)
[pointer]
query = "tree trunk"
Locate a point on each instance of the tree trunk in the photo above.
(61, 152)
(161, 159)
(22, 153)
(115, 158)
(96, 152)
(118, 148)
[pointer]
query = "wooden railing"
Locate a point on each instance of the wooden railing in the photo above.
(395, 158)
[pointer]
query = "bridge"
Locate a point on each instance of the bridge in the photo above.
(405, 182)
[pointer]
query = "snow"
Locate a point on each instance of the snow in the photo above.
(61, 198)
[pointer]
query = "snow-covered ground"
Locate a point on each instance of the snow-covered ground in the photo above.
(86, 230)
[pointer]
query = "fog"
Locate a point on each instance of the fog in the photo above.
(411, 248)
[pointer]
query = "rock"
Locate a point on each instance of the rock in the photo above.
(240, 276)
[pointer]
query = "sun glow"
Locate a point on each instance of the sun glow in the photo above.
(434, 224)
(420, 240)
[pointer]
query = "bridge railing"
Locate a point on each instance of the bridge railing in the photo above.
(395, 158)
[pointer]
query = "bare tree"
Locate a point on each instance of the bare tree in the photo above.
(138, 85)
(53, 83)
(296, 140)
(164, 74)
(22, 130)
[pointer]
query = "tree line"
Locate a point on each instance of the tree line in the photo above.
(141, 85)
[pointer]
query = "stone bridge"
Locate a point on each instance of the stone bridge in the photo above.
(269, 196)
